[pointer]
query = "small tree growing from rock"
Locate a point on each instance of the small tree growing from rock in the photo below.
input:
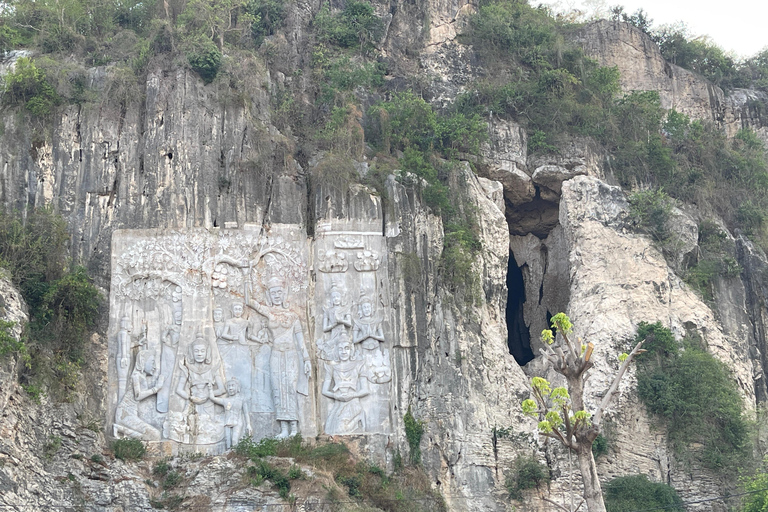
(561, 411)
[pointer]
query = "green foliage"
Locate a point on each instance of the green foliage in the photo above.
(128, 449)
(698, 54)
(356, 26)
(161, 468)
(650, 209)
(52, 447)
(600, 446)
(638, 19)
(9, 344)
(63, 303)
(757, 498)
(265, 471)
(696, 395)
(205, 59)
(636, 492)
(411, 123)
(526, 473)
(172, 479)
(268, 16)
(264, 448)
(69, 310)
(414, 430)
(27, 85)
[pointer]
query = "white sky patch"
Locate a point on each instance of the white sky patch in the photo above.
(738, 26)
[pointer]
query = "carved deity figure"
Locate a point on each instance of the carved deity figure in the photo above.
(336, 320)
(199, 376)
(345, 384)
(123, 356)
(234, 350)
(367, 329)
(236, 327)
(236, 414)
(170, 339)
(218, 323)
(289, 362)
(143, 385)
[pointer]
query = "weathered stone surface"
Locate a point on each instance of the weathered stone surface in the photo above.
(181, 159)
(742, 109)
(504, 157)
(642, 68)
(618, 279)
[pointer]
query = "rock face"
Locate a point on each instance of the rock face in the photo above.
(196, 201)
(616, 43)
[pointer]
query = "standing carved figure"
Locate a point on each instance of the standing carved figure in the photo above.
(289, 360)
(345, 384)
(336, 320)
(170, 339)
(236, 413)
(143, 385)
(123, 356)
(234, 350)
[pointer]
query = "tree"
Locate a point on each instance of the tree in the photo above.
(561, 411)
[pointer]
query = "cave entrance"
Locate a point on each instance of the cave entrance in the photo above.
(519, 338)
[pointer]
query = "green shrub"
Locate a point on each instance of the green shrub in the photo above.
(356, 26)
(600, 446)
(27, 85)
(264, 448)
(9, 344)
(526, 473)
(696, 396)
(636, 492)
(268, 15)
(69, 309)
(205, 59)
(756, 499)
(129, 449)
(52, 447)
(414, 430)
(172, 479)
(161, 468)
(651, 209)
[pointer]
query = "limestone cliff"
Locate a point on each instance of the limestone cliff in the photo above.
(183, 156)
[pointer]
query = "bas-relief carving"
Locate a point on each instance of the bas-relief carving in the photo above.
(222, 351)
(198, 378)
(352, 340)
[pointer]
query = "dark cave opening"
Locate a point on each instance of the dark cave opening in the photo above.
(519, 338)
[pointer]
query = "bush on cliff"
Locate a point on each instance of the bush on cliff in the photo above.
(63, 302)
(696, 396)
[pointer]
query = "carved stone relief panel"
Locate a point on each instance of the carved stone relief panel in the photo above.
(208, 336)
(353, 335)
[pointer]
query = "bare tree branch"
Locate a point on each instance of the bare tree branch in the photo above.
(615, 384)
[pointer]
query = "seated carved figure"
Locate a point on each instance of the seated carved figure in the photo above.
(199, 374)
(142, 385)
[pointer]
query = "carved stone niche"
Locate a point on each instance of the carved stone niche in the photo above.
(208, 337)
(353, 334)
